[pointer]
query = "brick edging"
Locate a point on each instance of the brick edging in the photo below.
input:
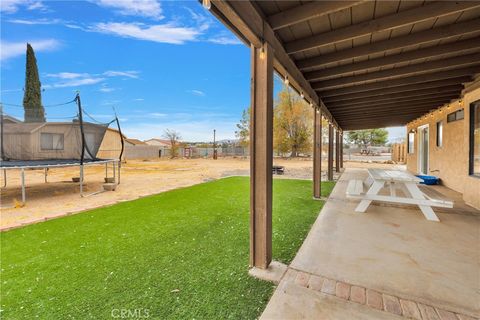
(374, 299)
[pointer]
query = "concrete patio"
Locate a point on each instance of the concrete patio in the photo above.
(387, 263)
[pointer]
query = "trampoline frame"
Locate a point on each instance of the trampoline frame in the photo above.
(116, 166)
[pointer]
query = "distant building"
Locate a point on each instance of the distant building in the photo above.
(159, 142)
(134, 142)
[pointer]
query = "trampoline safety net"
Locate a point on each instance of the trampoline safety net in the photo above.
(67, 133)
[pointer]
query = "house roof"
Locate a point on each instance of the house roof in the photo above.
(135, 141)
(163, 141)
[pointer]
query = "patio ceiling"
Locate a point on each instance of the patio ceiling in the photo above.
(366, 63)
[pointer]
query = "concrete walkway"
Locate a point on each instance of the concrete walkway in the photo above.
(387, 263)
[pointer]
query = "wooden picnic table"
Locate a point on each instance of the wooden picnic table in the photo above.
(394, 179)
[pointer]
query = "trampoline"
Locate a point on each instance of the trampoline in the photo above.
(41, 145)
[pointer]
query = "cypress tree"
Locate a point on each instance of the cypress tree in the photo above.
(32, 98)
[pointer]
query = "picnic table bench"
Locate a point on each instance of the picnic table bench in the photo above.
(394, 179)
(278, 169)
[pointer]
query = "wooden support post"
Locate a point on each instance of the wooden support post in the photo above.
(330, 152)
(317, 154)
(261, 156)
(337, 150)
(341, 150)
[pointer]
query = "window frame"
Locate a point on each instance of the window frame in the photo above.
(53, 146)
(411, 144)
(471, 137)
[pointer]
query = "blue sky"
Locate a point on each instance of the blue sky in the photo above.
(166, 64)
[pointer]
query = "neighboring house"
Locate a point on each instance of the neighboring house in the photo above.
(50, 140)
(111, 145)
(159, 142)
(10, 119)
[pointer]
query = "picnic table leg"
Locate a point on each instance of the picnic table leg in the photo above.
(417, 194)
(374, 189)
(393, 187)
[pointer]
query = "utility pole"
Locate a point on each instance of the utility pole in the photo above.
(214, 145)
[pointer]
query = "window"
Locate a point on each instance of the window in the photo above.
(439, 133)
(454, 116)
(51, 141)
(475, 139)
(411, 141)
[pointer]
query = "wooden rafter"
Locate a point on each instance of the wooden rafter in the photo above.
(410, 56)
(394, 104)
(410, 70)
(415, 15)
(308, 11)
(410, 89)
(412, 95)
(444, 32)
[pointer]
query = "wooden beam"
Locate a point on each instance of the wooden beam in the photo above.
(402, 96)
(400, 19)
(418, 38)
(441, 75)
(394, 103)
(337, 151)
(368, 114)
(341, 150)
(330, 152)
(250, 25)
(317, 154)
(410, 56)
(410, 70)
(308, 11)
(409, 89)
(261, 157)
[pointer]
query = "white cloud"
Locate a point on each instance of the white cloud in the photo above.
(12, 6)
(15, 49)
(197, 93)
(68, 75)
(163, 33)
(106, 89)
(128, 74)
(36, 21)
(139, 99)
(74, 83)
(225, 40)
(143, 8)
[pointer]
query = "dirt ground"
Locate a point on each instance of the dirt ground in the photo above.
(60, 196)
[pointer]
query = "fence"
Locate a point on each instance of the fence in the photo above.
(156, 152)
(399, 151)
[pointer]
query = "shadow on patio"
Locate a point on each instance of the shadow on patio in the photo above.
(387, 262)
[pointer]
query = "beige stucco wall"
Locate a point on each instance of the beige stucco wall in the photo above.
(450, 162)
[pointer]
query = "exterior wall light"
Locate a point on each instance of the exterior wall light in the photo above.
(302, 95)
(286, 81)
(207, 4)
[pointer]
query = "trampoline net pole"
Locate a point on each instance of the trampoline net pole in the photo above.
(23, 186)
(81, 180)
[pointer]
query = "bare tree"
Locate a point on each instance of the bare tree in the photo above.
(174, 138)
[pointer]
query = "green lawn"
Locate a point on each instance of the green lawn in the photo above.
(180, 254)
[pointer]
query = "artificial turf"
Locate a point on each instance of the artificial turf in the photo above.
(179, 254)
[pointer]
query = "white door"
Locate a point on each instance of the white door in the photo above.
(423, 152)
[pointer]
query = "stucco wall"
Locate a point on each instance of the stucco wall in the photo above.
(450, 162)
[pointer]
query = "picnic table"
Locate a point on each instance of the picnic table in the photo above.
(394, 179)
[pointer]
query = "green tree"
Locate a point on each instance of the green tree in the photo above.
(32, 98)
(243, 132)
(370, 137)
(293, 127)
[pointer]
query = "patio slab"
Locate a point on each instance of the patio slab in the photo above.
(392, 250)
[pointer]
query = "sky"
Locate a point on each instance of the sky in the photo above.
(157, 64)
